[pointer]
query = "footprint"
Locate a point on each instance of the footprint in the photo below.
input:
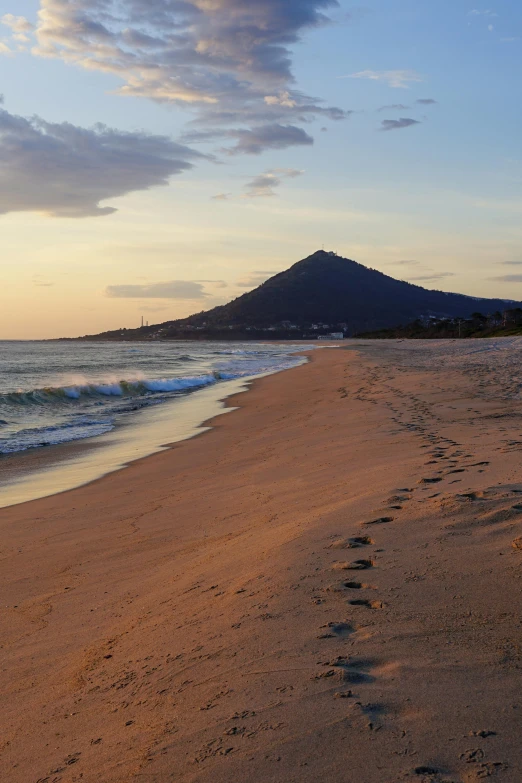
(468, 496)
(374, 712)
(352, 543)
(426, 770)
(358, 541)
(368, 604)
(341, 629)
(380, 521)
(358, 586)
(360, 565)
(472, 756)
(489, 769)
(483, 733)
(355, 671)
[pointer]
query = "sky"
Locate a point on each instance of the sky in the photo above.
(160, 157)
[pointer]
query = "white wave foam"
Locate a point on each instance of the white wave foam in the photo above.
(77, 405)
(178, 384)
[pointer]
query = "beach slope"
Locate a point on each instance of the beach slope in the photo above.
(324, 587)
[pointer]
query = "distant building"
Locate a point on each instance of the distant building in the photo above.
(331, 336)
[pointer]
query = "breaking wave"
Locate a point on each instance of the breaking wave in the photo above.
(75, 402)
(91, 391)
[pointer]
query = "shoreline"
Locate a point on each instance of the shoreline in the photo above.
(325, 587)
(46, 471)
(100, 456)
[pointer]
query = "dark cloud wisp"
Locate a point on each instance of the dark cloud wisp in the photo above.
(253, 141)
(433, 276)
(265, 184)
(507, 278)
(394, 107)
(403, 122)
(275, 137)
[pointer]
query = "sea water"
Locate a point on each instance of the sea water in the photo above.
(55, 392)
(127, 399)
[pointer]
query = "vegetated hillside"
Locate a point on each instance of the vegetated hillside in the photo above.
(329, 289)
(322, 289)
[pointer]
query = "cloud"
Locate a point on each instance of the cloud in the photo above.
(228, 61)
(67, 171)
(406, 262)
(264, 184)
(221, 196)
(426, 101)
(172, 289)
(215, 283)
(396, 79)
(510, 263)
(255, 279)
(275, 137)
(434, 276)
(5, 50)
(487, 12)
(19, 26)
(283, 99)
(508, 278)
(394, 107)
(253, 141)
(404, 122)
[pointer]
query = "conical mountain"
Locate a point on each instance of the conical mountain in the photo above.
(325, 288)
(321, 289)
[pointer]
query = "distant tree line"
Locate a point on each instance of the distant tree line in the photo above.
(505, 323)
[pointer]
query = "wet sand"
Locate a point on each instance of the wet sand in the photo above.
(324, 587)
(38, 473)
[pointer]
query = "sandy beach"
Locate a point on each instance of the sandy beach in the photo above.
(324, 587)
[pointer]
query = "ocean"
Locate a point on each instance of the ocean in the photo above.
(136, 395)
